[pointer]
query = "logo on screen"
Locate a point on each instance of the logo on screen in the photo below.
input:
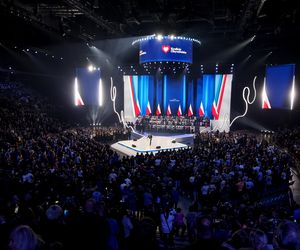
(166, 48)
(142, 52)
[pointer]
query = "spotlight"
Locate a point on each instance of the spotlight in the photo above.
(90, 68)
(159, 37)
(35, 52)
(172, 37)
(252, 39)
(27, 50)
(61, 58)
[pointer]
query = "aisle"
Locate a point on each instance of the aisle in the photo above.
(180, 242)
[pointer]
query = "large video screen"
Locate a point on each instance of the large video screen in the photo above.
(211, 94)
(278, 87)
(88, 87)
(166, 49)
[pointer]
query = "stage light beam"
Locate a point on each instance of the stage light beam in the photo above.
(90, 68)
(100, 94)
(293, 94)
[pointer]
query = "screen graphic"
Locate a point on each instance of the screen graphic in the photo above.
(166, 49)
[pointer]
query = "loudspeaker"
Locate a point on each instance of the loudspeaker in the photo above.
(158, 147)
(173, 141)
(133, 145)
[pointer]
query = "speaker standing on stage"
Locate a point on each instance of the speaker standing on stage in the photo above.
(150, 138)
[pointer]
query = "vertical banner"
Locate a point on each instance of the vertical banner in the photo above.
(145, 92)
(222, 102)
(175, 93)
(199, 97)
(208, 94)
(138, 91)
(159, 94)
(190, 95)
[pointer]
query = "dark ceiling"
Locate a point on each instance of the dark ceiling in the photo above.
(44, 22)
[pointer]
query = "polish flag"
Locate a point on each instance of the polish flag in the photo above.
(214, 111)
(190, 111)
(158, 111)
(179, 112)
(169, 110)
(148, 109)
(138, 108)
(201, 110)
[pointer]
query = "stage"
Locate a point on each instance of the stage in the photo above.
(140, 143)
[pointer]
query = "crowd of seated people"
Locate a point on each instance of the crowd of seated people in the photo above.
(62, 189)
(183, 124)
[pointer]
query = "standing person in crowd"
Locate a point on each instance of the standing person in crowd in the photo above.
(179, 223)
(167, 220)
(287, 236)
(24, 238)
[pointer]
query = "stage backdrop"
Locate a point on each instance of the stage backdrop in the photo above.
(211, 93)
(278, 87)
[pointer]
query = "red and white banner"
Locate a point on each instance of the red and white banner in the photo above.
(169, 110)
(265, 100)
(148, 109)
(190, 111)
(77, 96)
(158, 111)
(179, 112)
(201, 110)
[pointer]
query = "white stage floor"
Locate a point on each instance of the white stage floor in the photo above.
(142, 145)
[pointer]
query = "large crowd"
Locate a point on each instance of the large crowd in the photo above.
(64, 188)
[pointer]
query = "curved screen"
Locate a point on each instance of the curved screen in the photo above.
(166, 49)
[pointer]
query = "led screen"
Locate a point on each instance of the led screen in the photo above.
(211, 94)
(166, 49)
(87, 87)
(278, 87)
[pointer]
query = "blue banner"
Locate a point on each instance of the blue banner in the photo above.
(199, 94)
(175, 93)
(190, 95)
(143, 87)
(208, 94)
